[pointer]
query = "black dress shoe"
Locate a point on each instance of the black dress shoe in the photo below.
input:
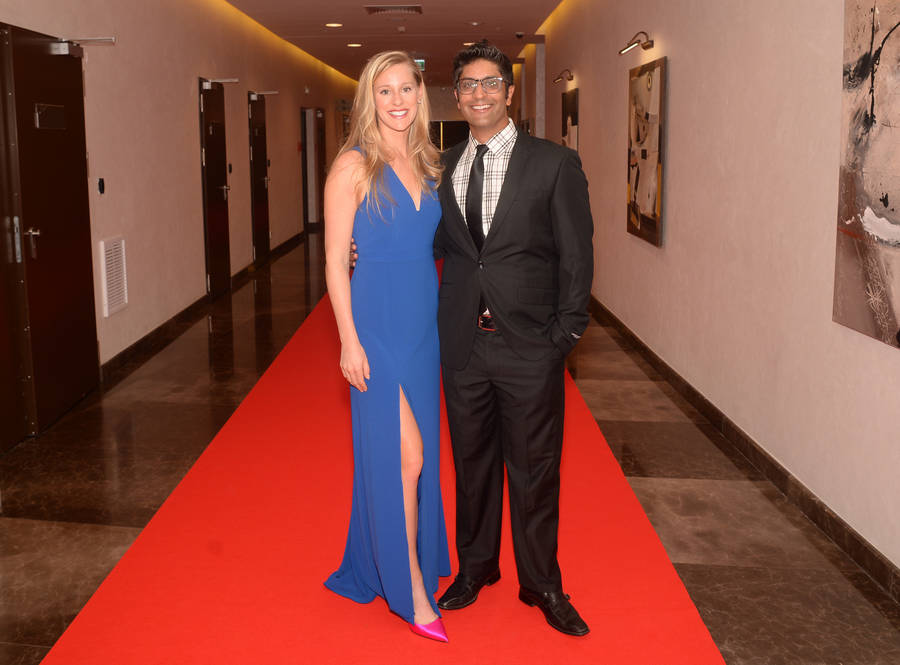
(464, 590)
(557, 609)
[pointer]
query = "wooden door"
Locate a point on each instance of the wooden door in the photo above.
(214, 163)
(312, 158)
(447, 133)
(48, 190)
(320, 164)
(259, 177)
(304, 168)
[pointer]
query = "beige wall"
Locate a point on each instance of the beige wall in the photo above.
(141, 116)
(528, 103)
(738, 300)
(443, 103)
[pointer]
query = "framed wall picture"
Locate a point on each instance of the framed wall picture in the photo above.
(343, 108)
(867, 258)
(646, 122)
(570, 118)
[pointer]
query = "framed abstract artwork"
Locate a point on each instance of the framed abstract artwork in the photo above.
(646, 122)
(867, 258)
(570, 118)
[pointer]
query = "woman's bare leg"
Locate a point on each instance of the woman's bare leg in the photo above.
(411, 468)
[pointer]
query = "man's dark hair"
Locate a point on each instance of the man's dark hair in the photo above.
(483, 50)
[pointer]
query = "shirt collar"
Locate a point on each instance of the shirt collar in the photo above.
(499, 141)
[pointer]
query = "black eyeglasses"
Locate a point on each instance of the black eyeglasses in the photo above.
(490, 85)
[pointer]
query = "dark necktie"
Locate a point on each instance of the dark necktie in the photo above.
(473, 197)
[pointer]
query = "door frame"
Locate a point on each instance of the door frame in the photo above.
(12, 274)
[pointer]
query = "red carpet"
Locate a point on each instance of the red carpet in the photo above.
(230, 569)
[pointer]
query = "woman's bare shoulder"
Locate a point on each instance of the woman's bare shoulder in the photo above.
(348, 168)
(349, 160)
(347, 175)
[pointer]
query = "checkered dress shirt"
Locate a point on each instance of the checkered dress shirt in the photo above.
(496, 160)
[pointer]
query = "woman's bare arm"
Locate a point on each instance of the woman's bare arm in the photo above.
(342, 197)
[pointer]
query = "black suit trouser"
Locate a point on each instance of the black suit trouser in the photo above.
(503, 409)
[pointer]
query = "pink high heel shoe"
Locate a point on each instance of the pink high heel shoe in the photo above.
(433, 631)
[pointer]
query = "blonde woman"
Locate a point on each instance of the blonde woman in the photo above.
(382, 191)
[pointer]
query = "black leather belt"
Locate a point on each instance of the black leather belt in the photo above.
(486, 323)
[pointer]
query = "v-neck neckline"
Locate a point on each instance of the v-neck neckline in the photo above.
(418, 208)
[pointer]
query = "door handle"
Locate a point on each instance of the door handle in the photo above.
(224, 189)
(33, 233)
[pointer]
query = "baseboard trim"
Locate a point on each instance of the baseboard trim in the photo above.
(875, 564)
(123, 363)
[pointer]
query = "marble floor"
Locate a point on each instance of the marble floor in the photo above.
(771, 588)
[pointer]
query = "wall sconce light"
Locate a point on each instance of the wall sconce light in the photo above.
(564, 74)
(645, 43)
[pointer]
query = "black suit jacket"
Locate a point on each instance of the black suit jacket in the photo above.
(536, 265)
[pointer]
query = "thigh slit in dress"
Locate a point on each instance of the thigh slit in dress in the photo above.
(394, 300)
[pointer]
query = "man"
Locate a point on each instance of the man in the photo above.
(516, 242)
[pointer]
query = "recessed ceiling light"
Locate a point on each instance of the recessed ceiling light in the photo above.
(468, 43)
(334, 25)
(474, 23)
(354, 45)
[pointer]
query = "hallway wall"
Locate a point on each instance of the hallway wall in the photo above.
(443, 103)
(141, 116)
(738, 300)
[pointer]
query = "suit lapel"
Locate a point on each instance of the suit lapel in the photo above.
(454, 220)
(512, 182)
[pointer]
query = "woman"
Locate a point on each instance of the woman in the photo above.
(381, 190)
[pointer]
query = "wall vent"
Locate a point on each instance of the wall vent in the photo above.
(393, 9)
(115, 280)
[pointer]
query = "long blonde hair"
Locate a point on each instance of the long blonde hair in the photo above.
(364, 132)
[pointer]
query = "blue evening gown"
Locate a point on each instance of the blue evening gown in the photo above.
(394, 291)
